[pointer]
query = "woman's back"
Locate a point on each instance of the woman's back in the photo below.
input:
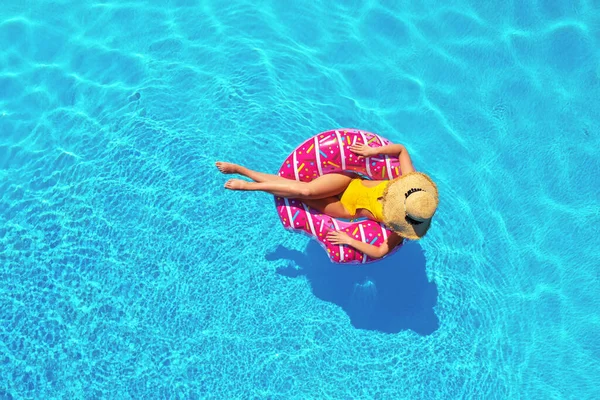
(365, 195)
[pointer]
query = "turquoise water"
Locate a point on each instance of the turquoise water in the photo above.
(127, 271)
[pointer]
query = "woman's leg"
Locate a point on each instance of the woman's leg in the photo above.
(324, 186)
(230, 168)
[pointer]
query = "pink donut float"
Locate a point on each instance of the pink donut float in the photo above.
(325, 153)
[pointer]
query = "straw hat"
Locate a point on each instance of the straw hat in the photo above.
(409, 202)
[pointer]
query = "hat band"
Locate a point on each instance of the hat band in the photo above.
(407, 217)
(411, 191)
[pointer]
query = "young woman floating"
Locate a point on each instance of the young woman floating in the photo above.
(405, 204)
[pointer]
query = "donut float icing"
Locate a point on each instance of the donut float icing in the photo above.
(326, 153)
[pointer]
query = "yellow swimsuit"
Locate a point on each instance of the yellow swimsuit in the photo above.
(358, 195)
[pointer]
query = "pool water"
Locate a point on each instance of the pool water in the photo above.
(127, 271)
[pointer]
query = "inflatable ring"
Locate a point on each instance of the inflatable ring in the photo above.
(326, 153)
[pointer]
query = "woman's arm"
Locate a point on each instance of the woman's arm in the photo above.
(369, 249)
(406, 165)
(337, 237)
(391, 149)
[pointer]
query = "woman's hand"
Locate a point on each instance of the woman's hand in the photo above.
(363, 150)
(339, 237)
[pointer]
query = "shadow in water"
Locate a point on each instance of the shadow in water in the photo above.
(388, 296)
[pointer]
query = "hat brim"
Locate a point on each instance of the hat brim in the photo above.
(409, 231)
(393, 201)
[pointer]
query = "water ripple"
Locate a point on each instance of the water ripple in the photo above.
(126, 267)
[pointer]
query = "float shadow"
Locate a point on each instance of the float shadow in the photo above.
(390, 295)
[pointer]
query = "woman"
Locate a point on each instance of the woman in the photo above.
(405, 204)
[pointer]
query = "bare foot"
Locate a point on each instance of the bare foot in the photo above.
(236, 184)
(227, 168)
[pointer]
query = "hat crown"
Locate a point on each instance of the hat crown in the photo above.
(421, 205)
(412, 195)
